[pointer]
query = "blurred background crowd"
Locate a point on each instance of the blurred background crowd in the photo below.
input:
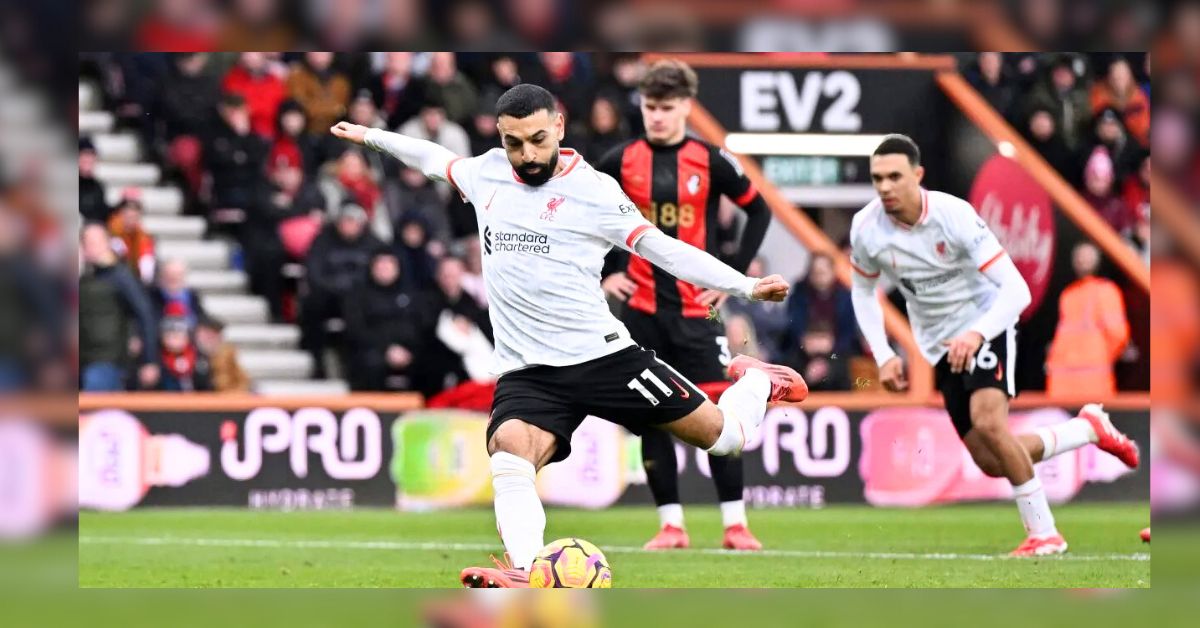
(230, 243)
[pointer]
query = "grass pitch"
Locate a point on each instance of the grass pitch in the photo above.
(839, 546)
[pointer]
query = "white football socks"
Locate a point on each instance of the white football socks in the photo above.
(1065, 436)
(519, 514)
(733, 513)
(670, 515)
(743, 404)
(1034, 509)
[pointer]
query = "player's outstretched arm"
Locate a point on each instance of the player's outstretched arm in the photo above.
(869, 313)
(430, 158)
(698, 267)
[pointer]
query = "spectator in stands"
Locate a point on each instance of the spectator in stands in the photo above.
(412, 247)
(412, 194)
(337, 260)
(622, 85)
(1120, 91)
(822, 334)
(1061, 93)
(178, 25)
(294, 143)
(184, 369)
(282, 225)
(472, 25)
(93, 206)
(459, 317)
(398, 94)
(562, 74)
(386, 329)
(235, 157)
(1092, 332)
(483, 133)
(261, 83)
(31, 329)
(363, 111)
(990, 78)
(110, 301)
(186, 97)
(132, 242)
(350, 179)
(1110, 133)
(433, 124)
(472, 276)
(173, 292)
(1098, 178)
(320, 89)
(449, 88)
(505, 74)
(257, 24)
(768, 321)
(606, 128)
(1135, 192)
(1041, 133)
(225, 373)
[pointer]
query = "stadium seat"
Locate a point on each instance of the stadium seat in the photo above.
(266, 364)
(217, 281)
(200, 254)
(289, 387)
(255, 336)
(118, 173)
(237, 308)
(168, 227)
(155, 200)
(117, 147)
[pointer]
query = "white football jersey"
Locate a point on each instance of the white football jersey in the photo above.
(937, 263)
(543, 250)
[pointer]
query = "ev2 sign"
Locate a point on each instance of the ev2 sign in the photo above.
(769, 98)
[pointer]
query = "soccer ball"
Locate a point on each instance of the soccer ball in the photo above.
(570, 564)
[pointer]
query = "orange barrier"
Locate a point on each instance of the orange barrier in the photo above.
(1174, 214)
(1068, 199)
(404, 402)
(808, 60)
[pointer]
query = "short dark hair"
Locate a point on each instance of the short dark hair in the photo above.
(669, 78)
(523, 100)
(898, 144)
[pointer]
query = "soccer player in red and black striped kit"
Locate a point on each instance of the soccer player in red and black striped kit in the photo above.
(677, 182)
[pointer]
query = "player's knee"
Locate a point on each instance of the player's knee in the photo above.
(522, 439)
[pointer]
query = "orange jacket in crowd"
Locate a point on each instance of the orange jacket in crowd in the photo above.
(1092, 332)
(1134, 108)
(1174, 330)
(135, 246)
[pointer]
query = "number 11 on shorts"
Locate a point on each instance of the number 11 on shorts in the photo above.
(636, 384)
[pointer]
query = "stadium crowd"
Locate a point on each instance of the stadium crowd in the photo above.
(391, 281)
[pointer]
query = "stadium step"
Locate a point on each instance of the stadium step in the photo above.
(168, 227)
(117, 147)
(268, 364)
(155, 200)
(200, 254)
(294, 387)
(91, 122)
(237, 309)
(121, 174)
(263, 336)
(218, 281)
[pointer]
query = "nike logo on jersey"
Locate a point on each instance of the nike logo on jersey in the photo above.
(684, 393)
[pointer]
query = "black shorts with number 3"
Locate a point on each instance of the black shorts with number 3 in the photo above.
(993, 366)
(631, 387)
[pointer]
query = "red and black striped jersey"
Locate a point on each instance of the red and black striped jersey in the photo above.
(679, 188)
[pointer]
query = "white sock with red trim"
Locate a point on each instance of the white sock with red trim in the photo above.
(743, 404)
(1066, 436)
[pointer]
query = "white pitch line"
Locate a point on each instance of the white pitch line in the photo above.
(485, 547)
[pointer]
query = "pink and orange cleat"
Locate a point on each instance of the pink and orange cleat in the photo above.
(503, 576)
(1111, 439)
(786, 383)
(1041, 546)
(739, 537)
(668, 537)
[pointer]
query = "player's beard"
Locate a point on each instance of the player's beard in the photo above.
(542, 174)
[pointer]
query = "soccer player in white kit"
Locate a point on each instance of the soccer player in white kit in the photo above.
(964, 297)
(547, 219)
